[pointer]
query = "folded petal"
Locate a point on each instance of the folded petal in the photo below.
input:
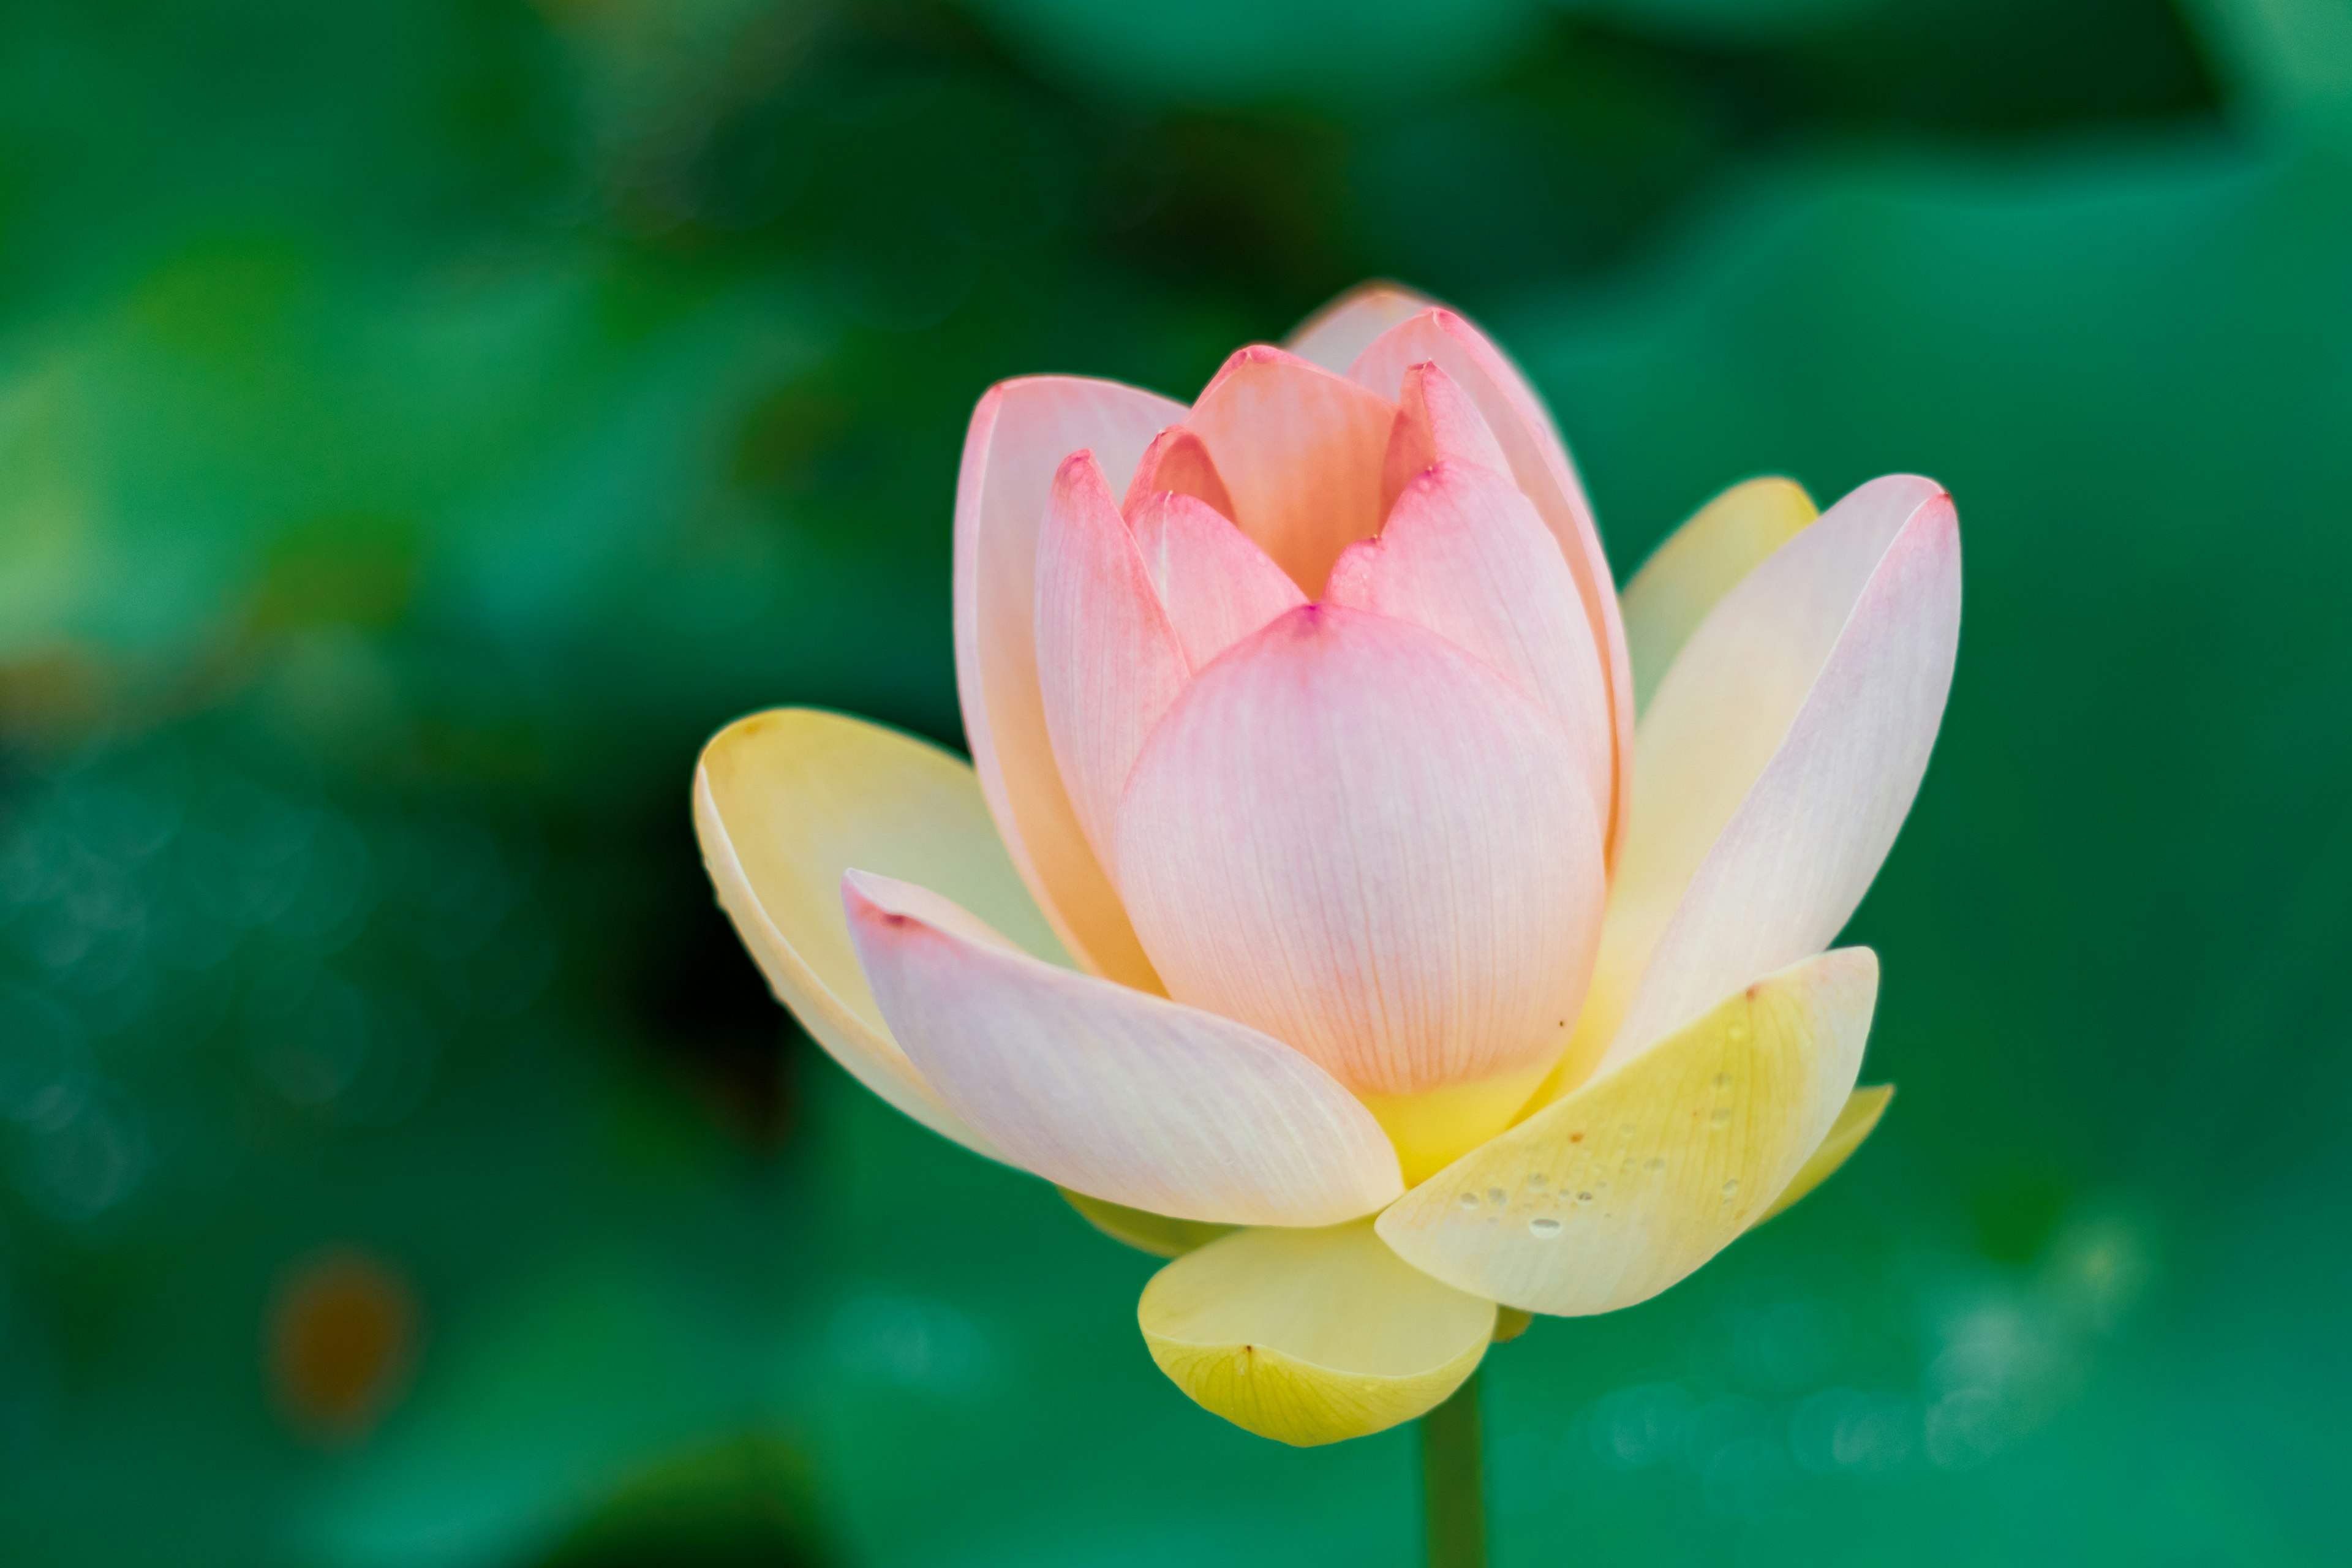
(1178, 460)
(1699, 563)
(1776, 762)
(1020, 434)
(1109, 662)
(1857, 1121)
(1352, 835)
(1466, 555)
(1108, 1091)
(786, 801)
(1540, 465)
(1153, 1233)
(1300, 449)
(1216, 587)
(1631, 1183)
(1337, 333)
(1311, 1336)
(1436, 422)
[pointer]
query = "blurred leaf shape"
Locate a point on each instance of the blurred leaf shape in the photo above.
(2290, 60)
(1331, 55)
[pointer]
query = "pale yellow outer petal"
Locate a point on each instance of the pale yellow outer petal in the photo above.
(1860, 1118)
(1311, 1336)
(1157, 1234)
(1699, 563)
(1633, 1181)
(785, 802)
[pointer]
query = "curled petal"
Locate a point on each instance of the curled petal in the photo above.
(1153, 1233)
(1336, 334)
(1352, 835)
(1300, 449)
(1178, 460)
(1464, 555)
(1627, 1185)
(1540, 467)
(1216, 587)
(1855, 1122)
(1020, 434)
(1109, 662)
(1699, 563)
(1311, 1336)
(1778, 761)
(784, 803)
(1436, 423)
(1108, 1091)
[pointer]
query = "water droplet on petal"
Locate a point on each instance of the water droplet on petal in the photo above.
(1543, 1228)
(1469, 1200)
(1731, 1188)
(1498, 1196)
(1722, 1117)
(1737, 1033)
(1722, 1081)
(1654, 1163)
(1537, 1180)
(1584, 1197)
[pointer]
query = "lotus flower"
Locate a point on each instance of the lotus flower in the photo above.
(1313, 911)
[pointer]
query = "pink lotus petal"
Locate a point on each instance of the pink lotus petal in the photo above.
(1107, 1091)
(1539, 463)
(1178, 460)
(1779, 758)
(1336, 334)
(1216, 587)
(1109, 662)
(1019, 436)
(1436, 422)
(1352, 835)
(1300, 449)
(1466, 555)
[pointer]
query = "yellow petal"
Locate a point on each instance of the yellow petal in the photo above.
(1855, 1123)
(1157, 1234)
(1510, 1323)
(1311, 1336)
(1607, 1196)
(1699, 562)
(785, 802)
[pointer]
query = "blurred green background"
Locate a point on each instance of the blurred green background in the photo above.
(423, 421)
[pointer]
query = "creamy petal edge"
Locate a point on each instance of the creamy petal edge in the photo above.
(1805, 842)
(1698, 564)
(784, 801)
(1109, 1091)
(1141, 1229)
(1855, 1122)
(1311, 1336)
(1607, 1196)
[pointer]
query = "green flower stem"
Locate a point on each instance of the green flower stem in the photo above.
(1452, 1483)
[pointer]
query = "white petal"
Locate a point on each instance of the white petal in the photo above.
(1776, 762)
